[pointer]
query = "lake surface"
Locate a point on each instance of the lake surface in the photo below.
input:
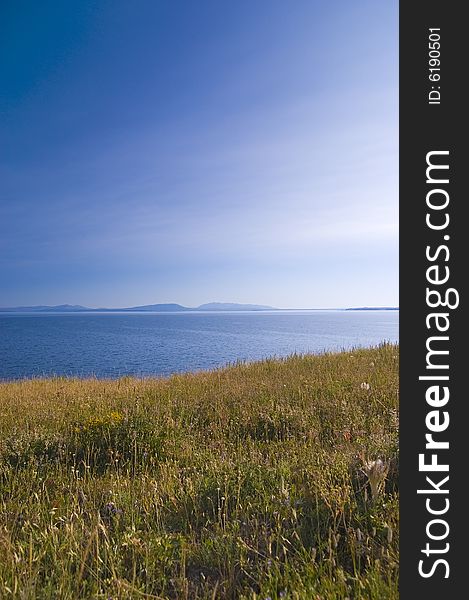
(145, 344)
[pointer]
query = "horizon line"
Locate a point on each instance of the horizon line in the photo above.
(204, 306)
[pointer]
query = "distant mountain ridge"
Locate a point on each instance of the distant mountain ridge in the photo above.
(169, 307)
(58, 308)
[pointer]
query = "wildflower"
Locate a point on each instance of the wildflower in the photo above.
(376, 471)
(365, 386)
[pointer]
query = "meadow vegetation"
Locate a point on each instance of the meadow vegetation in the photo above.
(276, 479)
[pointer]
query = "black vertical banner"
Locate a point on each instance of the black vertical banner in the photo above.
(433, 259)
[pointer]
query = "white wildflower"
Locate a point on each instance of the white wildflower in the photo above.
(376, 471)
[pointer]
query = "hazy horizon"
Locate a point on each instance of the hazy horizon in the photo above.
(265, 306)
(244, 151)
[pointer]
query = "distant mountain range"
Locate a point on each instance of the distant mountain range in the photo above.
(209, 307)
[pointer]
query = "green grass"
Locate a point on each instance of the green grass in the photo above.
(246, 482)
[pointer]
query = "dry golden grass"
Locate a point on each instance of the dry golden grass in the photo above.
(246, 482)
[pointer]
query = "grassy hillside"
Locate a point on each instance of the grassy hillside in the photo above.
(255, 481)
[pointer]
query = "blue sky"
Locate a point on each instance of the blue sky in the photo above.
(179, 151)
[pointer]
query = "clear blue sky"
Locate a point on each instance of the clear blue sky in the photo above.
(180, 151)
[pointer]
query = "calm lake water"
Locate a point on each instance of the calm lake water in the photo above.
(143, 344)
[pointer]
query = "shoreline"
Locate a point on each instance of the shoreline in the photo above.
(229, 365)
